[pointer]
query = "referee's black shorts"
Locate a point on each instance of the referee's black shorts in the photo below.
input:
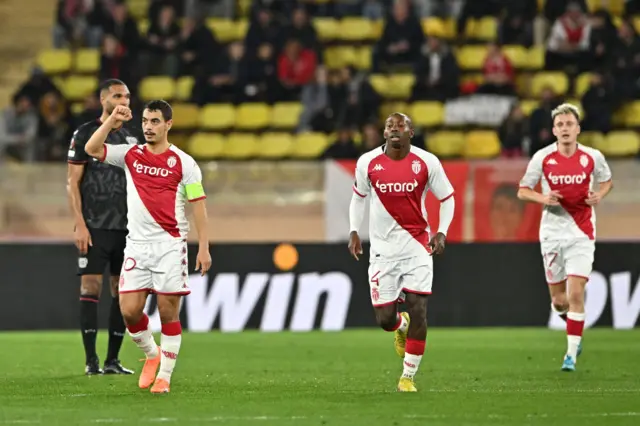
(108, 248)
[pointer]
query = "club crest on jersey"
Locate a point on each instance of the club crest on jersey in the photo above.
(171, 162)
(132, 140)
(584, 161)
(416, 167)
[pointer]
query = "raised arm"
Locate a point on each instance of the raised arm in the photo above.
(95, 146)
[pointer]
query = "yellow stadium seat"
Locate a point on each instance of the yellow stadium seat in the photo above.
(631, 114)
(240, 146)
(326, 28)
(578, 104)
(339, 57)
(583, 82)
(620, 143)
(252, 116)
(615, 7)
(78, 87)
(77, 108)
(309, 145)
(557, 80)
(427, 114)
(380, 84)
(591, 138)
(482, 144)
(446, 143)
(217, 116)
(206, 146)
(471, 57)
(486, 29)
(242, 27)
(225, 30)
(529, 105)
(389, 108)
(636, 23)
(401, 85)
(184, 87)
(157, 88)
(87, 61)
(286, 115)
(477, 78)
(275, 145)
(54, 61)
(185, 116)
(143, 26)
(535, 58)
(434, 27)
(377, 27)
(355, 29)
(138, 8)
(363, 58)
(516, 54)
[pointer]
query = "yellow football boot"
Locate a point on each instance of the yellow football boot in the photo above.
(400, 339)
(406, 385)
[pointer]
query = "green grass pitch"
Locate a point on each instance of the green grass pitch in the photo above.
(467, 377)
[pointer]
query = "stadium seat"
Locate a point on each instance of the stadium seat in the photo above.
(353, 29)
(363, 58)
(471, 57)
(252, 116)
(529, 105)
(535, 58)
(225, 30)
(54, 61)
(482, 144)
(380, 84)
(217, 117)
(87, 61)
(143, 26)
(138, 8)
(401, 85)
(184, 87)
(557, 80)
(78, 87)
(240, 146)
(615, 7)
(591, 138)
(326, 28)
(583, 82)
(619, 143)
(427, 114)
(286, 115)
(77, 108)
(157, 88)
(516, 54)
(446, 144)
(206, 146)
(185, 116)
(310, 145)
(275, 145)
(631, 113)
(435, 27)
(388, 108)
(339, 57)
(486, 29)
(377, 27)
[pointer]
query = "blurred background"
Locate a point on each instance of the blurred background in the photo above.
(276, 99)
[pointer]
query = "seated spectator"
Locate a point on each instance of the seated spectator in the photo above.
(626, 63)
(513, 132)
(371, 137)
(38, 85)
(540, 123)
(156, 6)
(197, 47)
(257, 79)
(344, 148)
(598, 104)
(296, 67)
(302, 30)
(116, 61)
(437, 73)
(316, 108)
(361, 103)
(631, 7)
(498, 73)
(568, 44)
(262, 29)
(603, 39)
(163, 40)
(18, 129)
(516, 24)
(54, 132)
(556, 8)
(401, 39)
(78, 23)
(219, 82)
(122, 26)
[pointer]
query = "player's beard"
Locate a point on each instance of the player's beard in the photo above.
(109, 107)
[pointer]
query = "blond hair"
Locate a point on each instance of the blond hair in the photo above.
(566, 108)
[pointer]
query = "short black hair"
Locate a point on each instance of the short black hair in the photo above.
(162, 106)
(107, 84)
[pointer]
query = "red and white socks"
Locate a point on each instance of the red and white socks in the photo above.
(170, 344)
(575, 326)
(412, 357)
(402, 324)
(143, 338)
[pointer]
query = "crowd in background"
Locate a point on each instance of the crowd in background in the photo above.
(281, 59)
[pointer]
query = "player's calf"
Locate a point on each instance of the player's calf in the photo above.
(389, 319)
(90, 287)
(416, 335)
(575, 320)
(169, 309)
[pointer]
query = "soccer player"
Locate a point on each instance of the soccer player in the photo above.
(575, 178)
(160, 179)
(98, 198)
(396, 176)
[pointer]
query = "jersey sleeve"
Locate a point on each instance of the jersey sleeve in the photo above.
(533, 174)
(192, 181)
(601, 171)
(76, 153)
(439, 183)
(114, 154)
(362, 184)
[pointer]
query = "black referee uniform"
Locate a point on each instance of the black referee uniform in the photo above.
(103, 191)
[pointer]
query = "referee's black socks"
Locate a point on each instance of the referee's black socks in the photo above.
(89, 324)
(116, 330)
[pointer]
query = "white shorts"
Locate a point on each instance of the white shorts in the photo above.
(389, 280)
(567, 258)
(160, 267)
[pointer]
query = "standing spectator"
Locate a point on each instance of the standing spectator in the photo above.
(568, 44)
(263, 29)
(219, 82)
(163, 40)
(516, 25)
(296, 67)
(437, 73)
(513, 133)
(362, 101)
(38, 85)
(116, 62)
(78, 22)
(401, 39)
(18, 129)
(603, 39)
(124, 29)
(626, 66)
(316, 113)
(258, 81)
(301, 29)
(199, 46)
(53, 130)
(598, 104)
(498, 73)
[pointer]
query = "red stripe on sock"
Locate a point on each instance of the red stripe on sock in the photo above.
(398, 324)
(88, 299)
(574, 328)
(141, 325)
(415, 347)
(172, 328)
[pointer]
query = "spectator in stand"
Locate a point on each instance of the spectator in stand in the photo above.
(122, 26)
(626, 64)
(474, 9)
(296, 67)
(498, 73)
(263, 29)
(516, 24)
(598, 104)
(156, 6)
(513, 132)
(198, 48)
(372, 9)
(163, 41)
(116, 61)
(316, 113)
(556, 8)
(631, 7)
(78, 22)
(371, 137)
(603, 39)
(38, 85)
(361, 103)
(54, 132)
(568, 44)
(437, 73)
(219, 83)
(344, 148)
(18, 129)
(302, 30)
(258, 81)
(540, 121)
(401, 39)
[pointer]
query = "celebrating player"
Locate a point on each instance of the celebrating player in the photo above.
(160, 179)
(568, 172)
(397, 177)
(98, 198)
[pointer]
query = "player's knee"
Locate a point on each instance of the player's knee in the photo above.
(114, 286)
(560, 302)
(91, 285)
